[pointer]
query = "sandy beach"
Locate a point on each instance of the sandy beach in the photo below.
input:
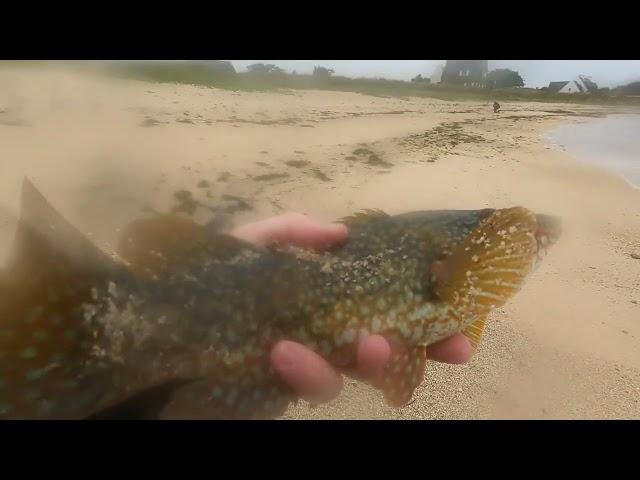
(567, 346)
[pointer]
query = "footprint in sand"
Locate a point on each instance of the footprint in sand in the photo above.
(373, 160)
(297, 163)
(320, 175)
(270, 176)
(184, 202)
(150, 122)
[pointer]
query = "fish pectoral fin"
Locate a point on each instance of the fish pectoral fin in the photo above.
(474, 332)
(403, 373)
(158, 244)
(490, 265)
(363, 217)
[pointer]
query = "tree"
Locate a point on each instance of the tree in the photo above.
(420, 79)
(632, 88)
(322, 71)
(262, 68)
(504, 78)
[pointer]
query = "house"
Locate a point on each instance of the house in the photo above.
(581, 84)
(467, 73)
(562, 87)
(436, 76)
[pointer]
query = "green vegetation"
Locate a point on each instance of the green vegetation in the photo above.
(322, 72)
(262, 68)
(504, 78)
(632, 88)
(268, 78)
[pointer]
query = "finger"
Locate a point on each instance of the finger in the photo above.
(295, 229)
(456, 349)
(373, 355)
(308, 374)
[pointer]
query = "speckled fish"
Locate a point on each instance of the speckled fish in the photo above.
(182, 324)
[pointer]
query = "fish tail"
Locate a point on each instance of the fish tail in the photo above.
(45, 343)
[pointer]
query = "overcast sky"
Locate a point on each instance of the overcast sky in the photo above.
(536, 73)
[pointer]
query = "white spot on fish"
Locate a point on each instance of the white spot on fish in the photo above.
(376, 324)
(349, 336)
(231, 397)
(417, 334)
(405, 331)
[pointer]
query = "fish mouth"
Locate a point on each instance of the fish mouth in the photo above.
(548, 233)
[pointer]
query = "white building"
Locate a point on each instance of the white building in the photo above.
(581, 84)
(436, 76)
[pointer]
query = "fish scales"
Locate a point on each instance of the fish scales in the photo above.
(183, 327)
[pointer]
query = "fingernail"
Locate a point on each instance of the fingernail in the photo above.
(284, 356)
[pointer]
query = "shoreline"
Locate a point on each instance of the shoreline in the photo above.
(598, 160)
(607, 171)
(102, 151)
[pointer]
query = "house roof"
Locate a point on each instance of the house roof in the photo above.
(557, 86)
(589, 84)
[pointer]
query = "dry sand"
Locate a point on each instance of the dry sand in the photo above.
(566, 347)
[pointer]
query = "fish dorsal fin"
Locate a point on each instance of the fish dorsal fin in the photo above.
(43, 234)
(490, 265)
(363, 217)
(158, 244)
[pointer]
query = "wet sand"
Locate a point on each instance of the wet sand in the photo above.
(106, 151)
(612, 143)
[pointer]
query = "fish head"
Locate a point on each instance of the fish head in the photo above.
(446, 230)
(482, 258)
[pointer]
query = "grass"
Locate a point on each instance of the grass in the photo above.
(199, 75)
(185, 73)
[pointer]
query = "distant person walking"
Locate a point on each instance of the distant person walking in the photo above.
(496, 107)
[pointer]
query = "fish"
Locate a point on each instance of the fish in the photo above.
(180, 323)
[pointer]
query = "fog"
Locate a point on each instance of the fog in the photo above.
(536, 73)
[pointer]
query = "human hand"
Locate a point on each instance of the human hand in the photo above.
(306, 372)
